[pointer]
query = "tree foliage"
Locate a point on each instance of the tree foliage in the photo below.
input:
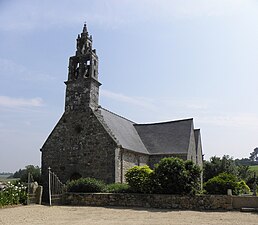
(254, 155)
(244, 172)
(218, 165)
(221, 183)
(170, 176)
(23, 173)
(175, 176)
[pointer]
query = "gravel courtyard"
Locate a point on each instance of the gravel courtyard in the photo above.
(37, 214)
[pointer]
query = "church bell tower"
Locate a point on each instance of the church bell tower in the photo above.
(82, 86)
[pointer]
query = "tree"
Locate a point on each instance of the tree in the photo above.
(244, 172)
(23, 173)
(218, 165)
(175, 176)
(243, 162)
(254, 155)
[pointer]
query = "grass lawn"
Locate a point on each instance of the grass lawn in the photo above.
(4, 178)
(254, 169)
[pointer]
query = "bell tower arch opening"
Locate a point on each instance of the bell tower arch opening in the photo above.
(82, 86)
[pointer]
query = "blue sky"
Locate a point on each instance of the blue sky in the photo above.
(159, 60)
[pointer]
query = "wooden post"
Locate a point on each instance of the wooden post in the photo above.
(49, 185)
(254, 186)
(28, 191)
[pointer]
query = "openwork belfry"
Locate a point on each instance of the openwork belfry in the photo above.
(90, 141)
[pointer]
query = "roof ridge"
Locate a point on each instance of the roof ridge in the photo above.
(173, 121)
(116, 114)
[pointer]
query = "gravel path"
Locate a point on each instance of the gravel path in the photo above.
(56, 215)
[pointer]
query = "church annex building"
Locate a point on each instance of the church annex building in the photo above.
(90, 141)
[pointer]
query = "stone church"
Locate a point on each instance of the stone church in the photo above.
(90, 141)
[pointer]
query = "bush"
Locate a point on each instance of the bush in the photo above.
(243, 187)
(85, 185)
(117, 188)
(193, 184)
(221, 183)
(139, 178)
(175, 176)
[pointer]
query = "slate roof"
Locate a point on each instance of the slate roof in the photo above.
(156, 138)
(124, 131)
(167, 137)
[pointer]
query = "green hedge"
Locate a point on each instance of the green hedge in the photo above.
(117, 188)
(86, 185)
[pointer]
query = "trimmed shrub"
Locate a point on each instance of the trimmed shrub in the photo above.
(85, 185)
(139, 178)
(117, 188)
(221, 183)
(175, 176)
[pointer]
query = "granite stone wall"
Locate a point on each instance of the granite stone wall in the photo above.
(245, 202)
(206, 202)
(192, 148)
(126, 160)
(79, 146)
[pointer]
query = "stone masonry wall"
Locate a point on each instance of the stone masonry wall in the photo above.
(206, 202)
(128, 159)
(79, 145)
(192, 147)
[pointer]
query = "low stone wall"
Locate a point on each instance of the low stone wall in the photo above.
(245, 202)
(205, 202)
(36, 196)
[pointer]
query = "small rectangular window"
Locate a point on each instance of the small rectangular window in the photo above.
(88, 62)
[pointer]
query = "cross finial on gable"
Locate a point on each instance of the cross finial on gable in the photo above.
(84, 28)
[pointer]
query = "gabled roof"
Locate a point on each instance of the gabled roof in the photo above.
(124, 131)
(156, 138)
(167, 137)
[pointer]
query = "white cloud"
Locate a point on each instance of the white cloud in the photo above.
(9, 68)
(6, 101)
(35, 14)
(202, 110)
(136, 101)
(234, 120)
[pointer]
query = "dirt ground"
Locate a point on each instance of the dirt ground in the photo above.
(36, 214)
